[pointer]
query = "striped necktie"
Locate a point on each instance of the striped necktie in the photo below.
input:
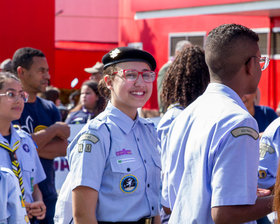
(15, 164)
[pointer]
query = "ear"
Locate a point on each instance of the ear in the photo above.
(20, 71)
(109, 82)
(250, 66)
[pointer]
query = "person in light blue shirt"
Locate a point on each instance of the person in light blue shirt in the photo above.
(185, 80)
(32, 170)
(12, 206)
(114, 161)
(19, 145)
(213, 144)
(269, 155)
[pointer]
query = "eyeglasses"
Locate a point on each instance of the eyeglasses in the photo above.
(133, 75)
(264, 61)
(12, 96)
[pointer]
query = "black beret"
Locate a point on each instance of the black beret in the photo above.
(125, 54)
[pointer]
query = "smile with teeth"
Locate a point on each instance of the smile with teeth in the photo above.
(138, 93)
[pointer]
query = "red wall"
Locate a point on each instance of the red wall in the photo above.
(27, 23)
(70, 64)
(87, 20)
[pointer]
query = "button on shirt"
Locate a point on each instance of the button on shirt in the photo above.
(269, 155)
(213, 154)
(162, 129)
(12, 210)
(27, 156)
(118, 157)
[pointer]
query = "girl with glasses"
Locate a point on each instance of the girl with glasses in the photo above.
(18, 150)
(114, 163)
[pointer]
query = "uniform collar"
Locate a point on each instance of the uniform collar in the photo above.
(14, 137)
(86, 111)
(225, 90)
(121, 119)
(177, 105)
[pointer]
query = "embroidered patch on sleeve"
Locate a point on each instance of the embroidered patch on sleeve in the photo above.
(92, 138)
(245, 131)
(262, 174)
(264, 148)
(88, 148)
(80, 148)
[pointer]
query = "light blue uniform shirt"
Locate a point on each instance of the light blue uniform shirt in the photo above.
(12, 209)
(269, 154)
(27, 156)
(162, 129)
(117, 157)
(213, 151)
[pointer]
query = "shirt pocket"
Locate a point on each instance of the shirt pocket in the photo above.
(156, 170)
(124, 165)
(28, 175)
(156, 160)
(127, 175)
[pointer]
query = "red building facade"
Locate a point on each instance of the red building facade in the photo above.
(158, 25)
(75, 35)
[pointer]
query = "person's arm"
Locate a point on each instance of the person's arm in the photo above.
(55, 148)
(242, 213)
(84, 205)
(58, 129)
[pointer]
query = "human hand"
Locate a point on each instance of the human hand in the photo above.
(62, 129)
(263, 192)
(27, 207)
(36, 209)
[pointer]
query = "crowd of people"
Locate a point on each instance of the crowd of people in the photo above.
(212, 158)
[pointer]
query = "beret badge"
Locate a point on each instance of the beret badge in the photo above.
(114, 53)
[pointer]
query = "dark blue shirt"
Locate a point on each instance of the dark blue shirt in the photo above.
(264, 116)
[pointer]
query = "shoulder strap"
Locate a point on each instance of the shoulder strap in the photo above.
(110, 136)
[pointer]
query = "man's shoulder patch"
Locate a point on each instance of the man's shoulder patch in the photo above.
(89, 137)
(245, 131)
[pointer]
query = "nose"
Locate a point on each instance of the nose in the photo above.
(139, 81)
(18, 99)
(47, 75)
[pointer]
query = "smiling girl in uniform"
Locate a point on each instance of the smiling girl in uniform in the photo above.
(114, 162)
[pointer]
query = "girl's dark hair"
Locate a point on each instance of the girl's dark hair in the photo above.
(101, 102)
(186, 78)
(102, 88)
(6, 75)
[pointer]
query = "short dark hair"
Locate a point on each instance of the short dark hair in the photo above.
(223, 55)
(6, 75)
(24, 57)
(186, 78)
